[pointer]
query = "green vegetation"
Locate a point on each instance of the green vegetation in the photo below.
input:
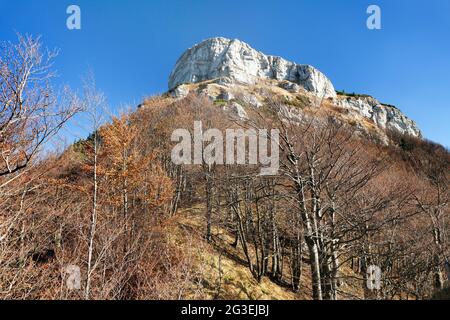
(298, 101)
(360, 95)
(406, 144)
(220, 102)
(354, 95)
(389, 105)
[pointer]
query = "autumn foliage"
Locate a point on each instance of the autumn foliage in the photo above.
(114, 205)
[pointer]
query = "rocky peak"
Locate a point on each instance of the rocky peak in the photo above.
(234, 61)
(232, 71)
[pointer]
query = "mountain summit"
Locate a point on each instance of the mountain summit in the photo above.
(232, 71)
(236, 61)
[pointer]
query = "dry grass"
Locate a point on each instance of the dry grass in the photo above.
(222, 272)
(222, 268)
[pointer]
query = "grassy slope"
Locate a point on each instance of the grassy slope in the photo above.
(222, 272)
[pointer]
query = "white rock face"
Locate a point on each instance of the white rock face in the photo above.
(239, 111)
(385, 117)
(224, 68)
(233, 61)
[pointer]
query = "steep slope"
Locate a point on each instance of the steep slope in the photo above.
(223, 272)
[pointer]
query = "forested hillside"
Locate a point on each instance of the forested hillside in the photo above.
(135, 225)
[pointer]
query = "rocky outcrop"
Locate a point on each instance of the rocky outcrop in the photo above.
(231, 71)
(233, 61)
(384, 116)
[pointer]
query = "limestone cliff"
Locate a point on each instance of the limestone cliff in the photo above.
(235, 61)
(231, 70)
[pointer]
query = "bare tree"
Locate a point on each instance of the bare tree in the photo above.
(30, 111)
(93, 104)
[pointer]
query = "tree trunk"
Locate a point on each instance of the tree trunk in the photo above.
(93, 223)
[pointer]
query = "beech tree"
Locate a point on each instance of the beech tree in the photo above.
(31, 113)
(433, 198)
(30, 110)
(326, 170)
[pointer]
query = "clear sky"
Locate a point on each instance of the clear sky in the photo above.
(131, 46)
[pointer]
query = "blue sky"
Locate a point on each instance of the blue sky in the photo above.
(131, 46)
